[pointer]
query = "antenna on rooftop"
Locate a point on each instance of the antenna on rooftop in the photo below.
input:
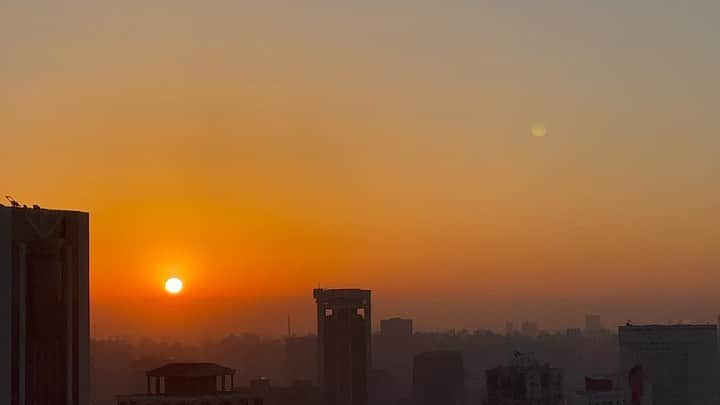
(12, 201)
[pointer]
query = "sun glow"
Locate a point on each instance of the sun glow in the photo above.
(538, 130)
(173, 285)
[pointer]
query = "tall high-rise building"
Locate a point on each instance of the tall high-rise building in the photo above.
(44, 307)
(680, 361)
(438, 378)
(344, 350)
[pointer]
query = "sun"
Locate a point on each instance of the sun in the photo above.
(173, 285)
(538, 130)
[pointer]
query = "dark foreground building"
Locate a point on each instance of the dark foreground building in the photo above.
(438, 378)
(344, 322)
(44, 307)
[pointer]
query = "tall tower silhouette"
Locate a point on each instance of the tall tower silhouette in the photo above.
(344, 353)
(44, 307)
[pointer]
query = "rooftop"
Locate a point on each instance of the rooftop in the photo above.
(340, 294)
(190, 370)
(630, 327)
(175, 398)
(36, 209)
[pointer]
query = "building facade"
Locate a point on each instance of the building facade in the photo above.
(344, 347)
(44, 307)
(680, 361)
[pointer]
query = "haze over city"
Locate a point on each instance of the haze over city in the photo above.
(257, 150)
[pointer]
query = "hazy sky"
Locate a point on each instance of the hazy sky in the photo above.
(258, 149)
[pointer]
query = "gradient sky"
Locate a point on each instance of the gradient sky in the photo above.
(258, 149)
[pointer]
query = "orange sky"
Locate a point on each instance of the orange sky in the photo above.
(260, 150)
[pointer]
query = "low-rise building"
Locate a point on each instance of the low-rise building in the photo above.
(192, 384)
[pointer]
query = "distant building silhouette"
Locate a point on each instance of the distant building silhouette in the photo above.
(593, 326)
(573, 332)
(529, 328)
(438, 378)
(509, 328)
(199, 383)
(680, 361)
(301, 358)
(396, 328)
(112, 370)
(44, 307)
(393, 352)
(344, 347)
(525, 382)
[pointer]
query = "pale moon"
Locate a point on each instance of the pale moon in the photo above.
(538, 130)
(173, 285)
